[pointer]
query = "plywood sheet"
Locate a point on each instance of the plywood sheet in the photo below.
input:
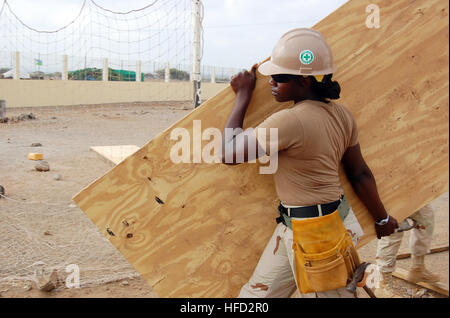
(198, 230)
(115, 154)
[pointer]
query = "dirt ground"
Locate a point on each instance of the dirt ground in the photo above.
(41, 226)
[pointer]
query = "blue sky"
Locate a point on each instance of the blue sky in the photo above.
(237, 33)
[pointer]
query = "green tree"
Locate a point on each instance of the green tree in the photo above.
(4, 70)
(175, 74)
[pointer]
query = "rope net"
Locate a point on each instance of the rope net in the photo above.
(50, 236)
(150, 44)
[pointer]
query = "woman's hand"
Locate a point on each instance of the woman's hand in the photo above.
(244, 82)
(243, 85)
(386, 229)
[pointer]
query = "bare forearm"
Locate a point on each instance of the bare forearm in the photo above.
(363, 182)
(366, 189)
(236, 119)
(243, 85)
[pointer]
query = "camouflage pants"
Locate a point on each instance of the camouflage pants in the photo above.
(274, 276)
(419, 242)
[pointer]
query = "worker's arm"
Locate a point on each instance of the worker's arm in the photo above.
(236, 145)
(363, 182)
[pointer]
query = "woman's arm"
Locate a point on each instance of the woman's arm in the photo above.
(243, 85)
(363, 182)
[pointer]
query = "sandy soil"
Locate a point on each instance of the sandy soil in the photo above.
(40, 224)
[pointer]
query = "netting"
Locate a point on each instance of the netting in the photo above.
(156, 35)
(52, 236)
(150, 45)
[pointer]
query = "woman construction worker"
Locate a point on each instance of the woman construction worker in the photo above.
(312, 247)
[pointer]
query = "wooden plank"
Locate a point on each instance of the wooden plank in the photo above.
(438, 287)
(432, 251)
(198, 230)
(115, 154)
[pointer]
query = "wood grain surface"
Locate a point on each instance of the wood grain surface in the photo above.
(198, 230)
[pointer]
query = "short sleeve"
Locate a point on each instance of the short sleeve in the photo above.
(280, 131)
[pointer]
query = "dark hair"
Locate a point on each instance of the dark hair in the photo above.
(326, 89)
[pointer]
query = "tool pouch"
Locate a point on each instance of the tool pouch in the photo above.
(325, 257)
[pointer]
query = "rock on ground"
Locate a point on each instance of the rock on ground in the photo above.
(42, 165)
(46, 282)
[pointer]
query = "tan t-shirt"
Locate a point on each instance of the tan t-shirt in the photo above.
(312, 138)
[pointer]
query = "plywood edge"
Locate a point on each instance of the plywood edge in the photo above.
(432, 251)
(115, 154)
(77, 197)
(438, 287)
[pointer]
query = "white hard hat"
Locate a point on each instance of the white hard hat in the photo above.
(300, 52)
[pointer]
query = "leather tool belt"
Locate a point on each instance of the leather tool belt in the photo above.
(325, 257)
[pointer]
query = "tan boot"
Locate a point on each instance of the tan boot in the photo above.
(386, 287)
(418, 273)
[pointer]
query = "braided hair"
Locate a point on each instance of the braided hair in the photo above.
(326, 89)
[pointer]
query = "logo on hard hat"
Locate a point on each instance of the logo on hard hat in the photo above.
(306, 57)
